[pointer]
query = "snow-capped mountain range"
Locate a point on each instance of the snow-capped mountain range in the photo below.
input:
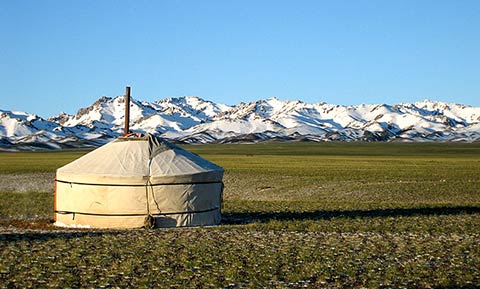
(194, 120)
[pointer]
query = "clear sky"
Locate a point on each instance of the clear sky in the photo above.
(63, 55)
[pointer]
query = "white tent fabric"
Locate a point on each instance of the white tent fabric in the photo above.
(129, 179)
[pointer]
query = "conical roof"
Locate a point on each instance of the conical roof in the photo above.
(140, 160)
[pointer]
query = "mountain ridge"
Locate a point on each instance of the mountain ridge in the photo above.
(191, 119)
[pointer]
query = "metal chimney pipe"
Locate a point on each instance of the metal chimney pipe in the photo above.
(127, 111)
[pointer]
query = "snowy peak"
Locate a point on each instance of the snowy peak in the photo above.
(108, 113)
(60, 118)
(196, 107)
(18, 124)
(459, 112)
(270, 108)
(171, 114)
(192, 119)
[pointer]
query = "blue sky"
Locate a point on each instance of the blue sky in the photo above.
(62, 55)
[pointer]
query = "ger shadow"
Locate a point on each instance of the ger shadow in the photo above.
(42, 229)
(232, 218)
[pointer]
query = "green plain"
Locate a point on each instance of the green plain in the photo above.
(318, 215)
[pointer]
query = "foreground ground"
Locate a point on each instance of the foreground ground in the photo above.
(296, 215)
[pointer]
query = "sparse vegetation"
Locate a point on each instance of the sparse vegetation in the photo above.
(385, 215)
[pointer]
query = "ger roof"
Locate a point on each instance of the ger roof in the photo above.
(140, 160)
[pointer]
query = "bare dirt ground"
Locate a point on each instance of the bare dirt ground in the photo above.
(27, 182)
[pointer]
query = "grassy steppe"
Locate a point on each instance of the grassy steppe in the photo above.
(299, 214)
